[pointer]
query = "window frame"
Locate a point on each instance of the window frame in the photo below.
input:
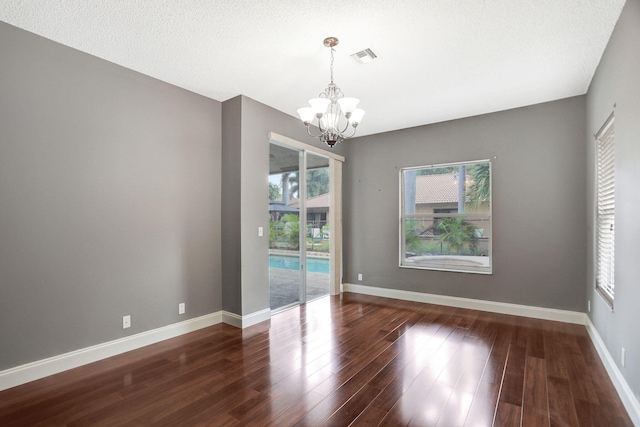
(605, 136)
(467, 215)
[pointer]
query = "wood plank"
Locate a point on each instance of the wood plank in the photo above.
(562, 412)
(512, 386)
(378, 361)
(483, 405)
(535, 408)
(369, 417)
(507, 415)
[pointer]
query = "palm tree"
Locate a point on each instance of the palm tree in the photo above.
(479, 193)
(413, 243)
(274, 191)
(456, 233)
(317, 182)
(289, 186)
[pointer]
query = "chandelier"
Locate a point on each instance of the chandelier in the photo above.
(333, 114)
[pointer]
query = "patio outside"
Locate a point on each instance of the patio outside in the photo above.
(285, 286)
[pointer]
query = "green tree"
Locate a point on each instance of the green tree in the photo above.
(289, 185)
(292, 180)
(479, 193)
(324, 232)
(276, 233)
(413, 243)
(317, 182)
(456, 233)
(274, 191)
(291, 230)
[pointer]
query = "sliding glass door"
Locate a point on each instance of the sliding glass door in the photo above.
(285, 268)
(318, 228)
(299, 226)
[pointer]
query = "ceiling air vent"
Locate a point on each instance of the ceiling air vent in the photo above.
(364, 56)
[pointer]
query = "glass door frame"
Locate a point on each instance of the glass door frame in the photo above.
(334, 216)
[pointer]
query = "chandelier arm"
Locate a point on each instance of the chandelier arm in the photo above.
(322, 133)
(345, 128)
(352, 133)
(310, 134)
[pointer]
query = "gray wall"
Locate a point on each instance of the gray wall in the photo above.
(256, 121)
(230, 205)
(109, 200)
(617, 81)
(538, 157)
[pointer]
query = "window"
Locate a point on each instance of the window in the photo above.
(445, 217)
(605, 210)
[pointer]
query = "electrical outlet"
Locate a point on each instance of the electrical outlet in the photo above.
(181, 308)
(126, 322)
(589, 306)
(360, 277)
(623, 356)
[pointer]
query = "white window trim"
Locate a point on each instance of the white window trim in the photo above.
(402, 216)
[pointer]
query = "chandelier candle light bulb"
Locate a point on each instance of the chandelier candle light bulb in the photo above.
(336, 116)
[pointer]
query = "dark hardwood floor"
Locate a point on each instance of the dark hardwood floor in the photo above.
(355, 360)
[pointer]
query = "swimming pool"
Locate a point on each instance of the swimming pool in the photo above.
(314, 265)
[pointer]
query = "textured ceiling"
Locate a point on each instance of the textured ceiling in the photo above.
(438, 59)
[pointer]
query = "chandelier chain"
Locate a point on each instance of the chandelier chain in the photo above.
(332, 50)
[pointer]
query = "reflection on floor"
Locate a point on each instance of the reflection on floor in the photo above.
(348, 360)
(285, 288)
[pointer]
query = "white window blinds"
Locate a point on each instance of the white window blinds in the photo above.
(605, 210)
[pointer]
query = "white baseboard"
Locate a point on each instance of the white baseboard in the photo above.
(247, 320)
(629, 401)
(42, 368)
(472, 304)
(232, 319)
